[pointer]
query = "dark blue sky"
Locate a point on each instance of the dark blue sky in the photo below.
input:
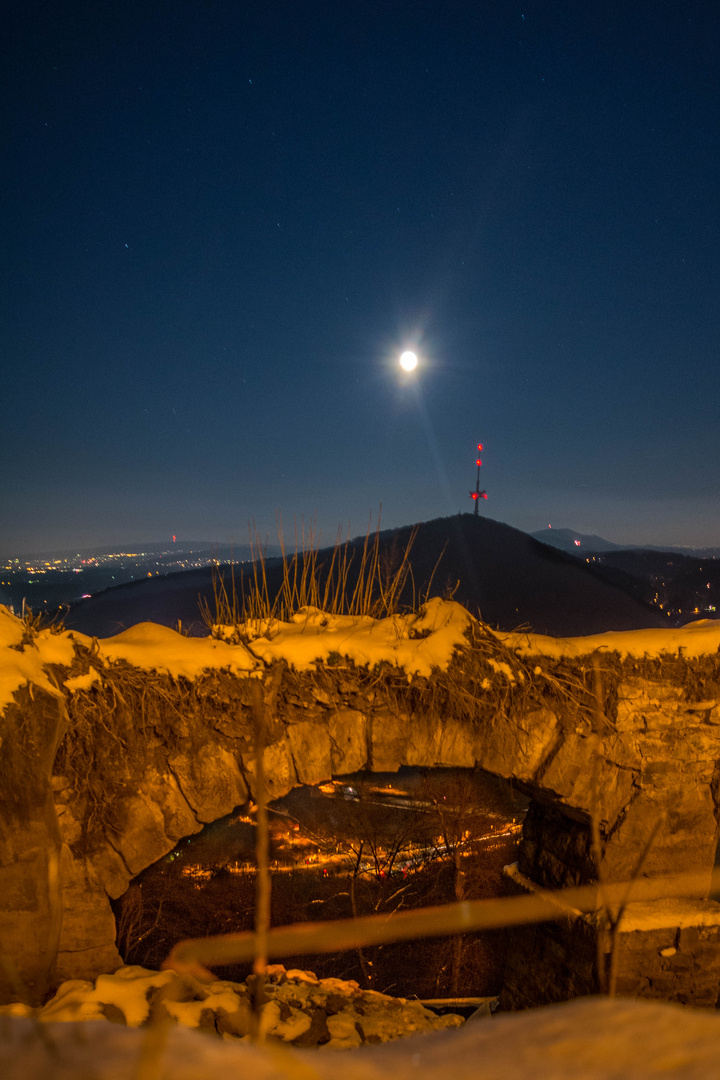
(223, 220)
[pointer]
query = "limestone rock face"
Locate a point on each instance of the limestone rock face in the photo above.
(685, 842)
(517, 747)
(347, 729)
(652, 783)
(31, 907)
(163, 789)
(389, 735)
(279, 767)
(210, 780)
(141, 839)
(651, 774)
(87, 941)
(433, 742)
(458, 745)
(310, 747)
(584, 780)
(68, 813)
(643, 705)
(655, 761)
(107, 867)
(665, 949)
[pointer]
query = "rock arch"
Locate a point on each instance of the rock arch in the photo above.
(183, 755)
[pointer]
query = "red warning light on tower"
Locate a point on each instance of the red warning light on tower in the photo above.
(477, 494)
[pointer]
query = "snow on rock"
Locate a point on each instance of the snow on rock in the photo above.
(21, 665)
(82, 682)
(129, 990)
(694, 639)
(676, 912)
(24, 658)
(299, 1008)
(158, 648)
(74, 1000)
(12, 629)
(590, 1038)
(201, 1013)
(501, 668)
(418, 642)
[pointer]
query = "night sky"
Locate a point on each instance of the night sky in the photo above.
(223, 220)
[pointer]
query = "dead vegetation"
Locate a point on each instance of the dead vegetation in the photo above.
(129, 720)
(337, 581)
(115, 726)
(488, 680)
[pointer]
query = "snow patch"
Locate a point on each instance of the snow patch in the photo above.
(694, 639)
(417, 643)
(158, 648)
(676, 911)
(82, 682)
(25, 665)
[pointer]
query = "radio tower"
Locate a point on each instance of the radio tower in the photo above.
(477, 494)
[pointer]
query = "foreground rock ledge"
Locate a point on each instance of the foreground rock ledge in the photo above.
(298, 1008)
(587, 1039)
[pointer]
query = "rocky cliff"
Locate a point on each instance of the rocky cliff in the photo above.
(109, 755)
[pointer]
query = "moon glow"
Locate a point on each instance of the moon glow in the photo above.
(408, 361)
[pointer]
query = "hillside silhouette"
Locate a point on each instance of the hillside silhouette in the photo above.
(498, 572)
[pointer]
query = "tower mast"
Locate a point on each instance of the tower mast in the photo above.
(477, 494)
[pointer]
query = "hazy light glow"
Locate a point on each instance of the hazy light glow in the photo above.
(408, 360)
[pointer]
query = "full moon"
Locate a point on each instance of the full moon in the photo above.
(408, 361)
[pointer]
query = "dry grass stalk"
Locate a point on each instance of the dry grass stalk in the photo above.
(264, 696)
(34, 622)
(334, 587)
(262, 849)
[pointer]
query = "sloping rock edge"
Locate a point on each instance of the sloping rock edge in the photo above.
(592, 1038)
